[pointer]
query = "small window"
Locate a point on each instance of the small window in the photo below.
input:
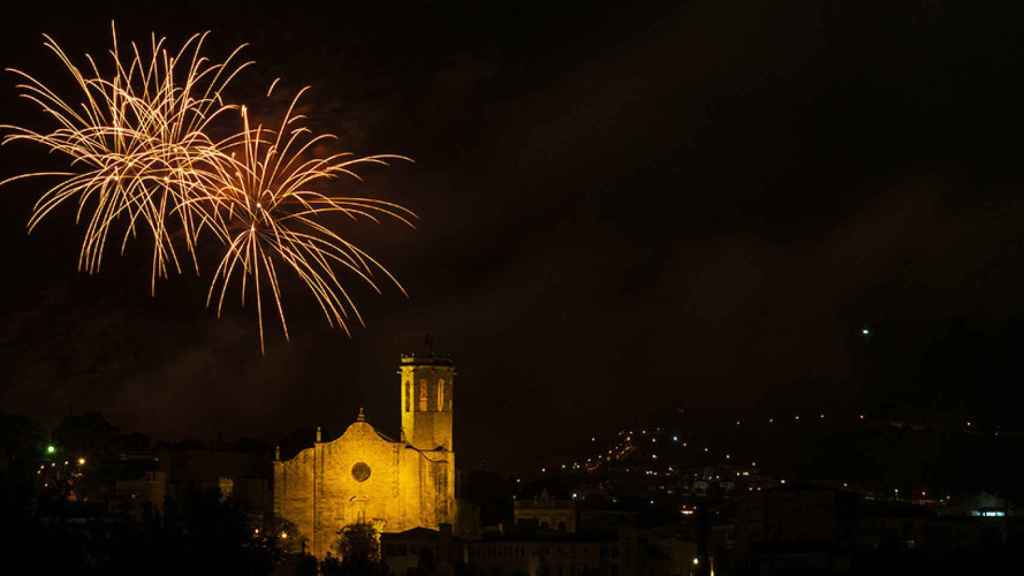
(424, 396)
(440, 395)
(408, 396)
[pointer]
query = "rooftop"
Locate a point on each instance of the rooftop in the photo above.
(426, 359)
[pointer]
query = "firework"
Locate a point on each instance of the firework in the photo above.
(136, 144)
(138, 153)
(269, 216)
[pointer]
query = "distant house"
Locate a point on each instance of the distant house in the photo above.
(546, 513)
(136, 497)
(796, 528)
(422, 550)
(620, 553)
(548, 554)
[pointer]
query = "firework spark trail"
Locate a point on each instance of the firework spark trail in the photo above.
(136, 143)
(267, 216)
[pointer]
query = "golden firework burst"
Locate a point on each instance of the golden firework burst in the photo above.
(138, 151)
(135, 142)
(269, 215)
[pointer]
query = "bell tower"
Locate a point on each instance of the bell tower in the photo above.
(427, 392)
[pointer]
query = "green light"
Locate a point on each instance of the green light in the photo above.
(51, 449)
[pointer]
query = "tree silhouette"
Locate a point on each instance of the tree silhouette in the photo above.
(358, 550)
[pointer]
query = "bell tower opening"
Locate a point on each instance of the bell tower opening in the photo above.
(427, 390)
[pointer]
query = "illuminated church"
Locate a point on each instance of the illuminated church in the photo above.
(364, 476)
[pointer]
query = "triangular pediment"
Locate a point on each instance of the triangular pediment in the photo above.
(362, 431)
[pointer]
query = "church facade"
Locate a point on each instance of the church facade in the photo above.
(364, 476)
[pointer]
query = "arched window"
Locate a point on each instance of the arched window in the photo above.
(440, 395)
(408, 395)
(424, 396)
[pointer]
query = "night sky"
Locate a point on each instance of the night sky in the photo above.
(623, 211)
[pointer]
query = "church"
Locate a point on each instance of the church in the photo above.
(365, 476)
